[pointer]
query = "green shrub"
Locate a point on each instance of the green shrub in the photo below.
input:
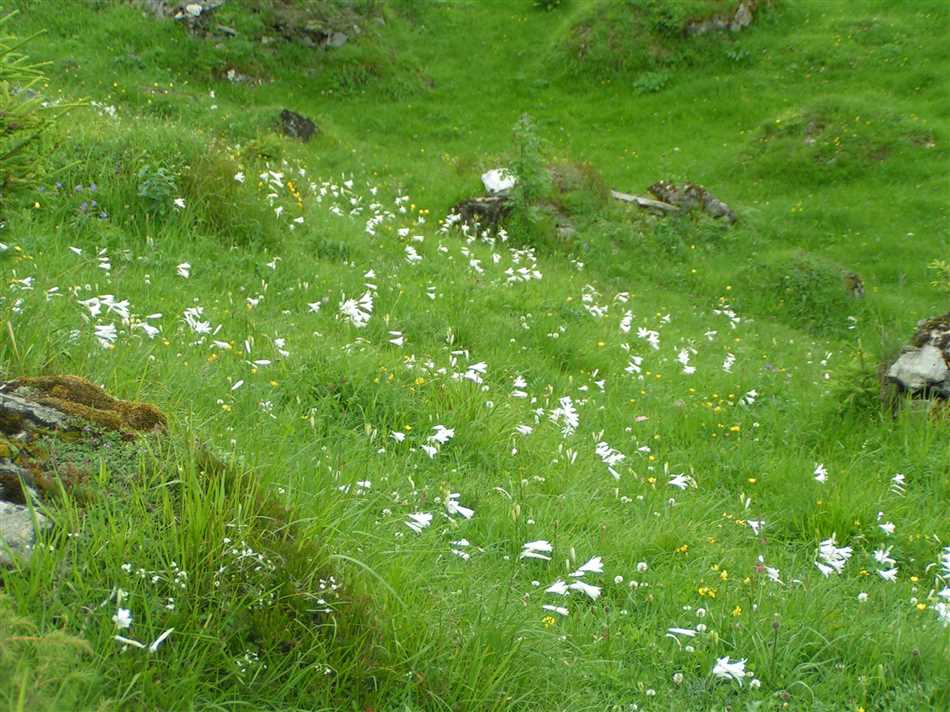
(157, 187)
(651, 82)
(533, 184)
(221, 205)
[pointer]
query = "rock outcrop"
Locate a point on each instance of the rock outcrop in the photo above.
(487, 212)
(692, 197)
(35, 412)
(923, 368)
(740, 18)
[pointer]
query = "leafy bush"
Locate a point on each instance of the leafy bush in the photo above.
(157, 187)
(860, 388)
(223, 206)
(651, 82)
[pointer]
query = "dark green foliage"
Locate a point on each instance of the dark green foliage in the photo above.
(157, 187)
(533, 186)
(23, 116)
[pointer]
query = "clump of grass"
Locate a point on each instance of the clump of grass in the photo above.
(203, 549)
(146, 179)
(32, 664)
(578, 188)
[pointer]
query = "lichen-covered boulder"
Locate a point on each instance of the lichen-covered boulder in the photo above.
(923, 368)
(690, 197)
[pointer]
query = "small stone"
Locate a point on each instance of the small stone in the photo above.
(920, 369)
(566, 232)
(18, 532)
(337, 39)
(297, 126)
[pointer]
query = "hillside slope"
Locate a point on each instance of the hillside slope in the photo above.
(582, 472)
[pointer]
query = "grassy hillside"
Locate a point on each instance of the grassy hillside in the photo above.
(339, 362)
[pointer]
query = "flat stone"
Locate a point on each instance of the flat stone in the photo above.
(18, 532)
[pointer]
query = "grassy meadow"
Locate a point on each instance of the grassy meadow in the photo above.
(413, 465)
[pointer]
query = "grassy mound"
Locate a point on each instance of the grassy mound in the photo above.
(642, 40)
(837, 139)
(197, 554)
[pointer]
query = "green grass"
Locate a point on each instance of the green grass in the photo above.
(824, 126)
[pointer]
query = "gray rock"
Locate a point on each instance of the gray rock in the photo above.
(566, 232)
(690, 196)
(918, 369)
(18, 528)
(337, 39)
(923, 369)
(21, 409)
(743, 17)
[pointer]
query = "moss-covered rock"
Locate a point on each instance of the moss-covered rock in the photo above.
(79, 398)
(56, 431)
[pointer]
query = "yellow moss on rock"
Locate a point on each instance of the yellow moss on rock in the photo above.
(78, 397)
